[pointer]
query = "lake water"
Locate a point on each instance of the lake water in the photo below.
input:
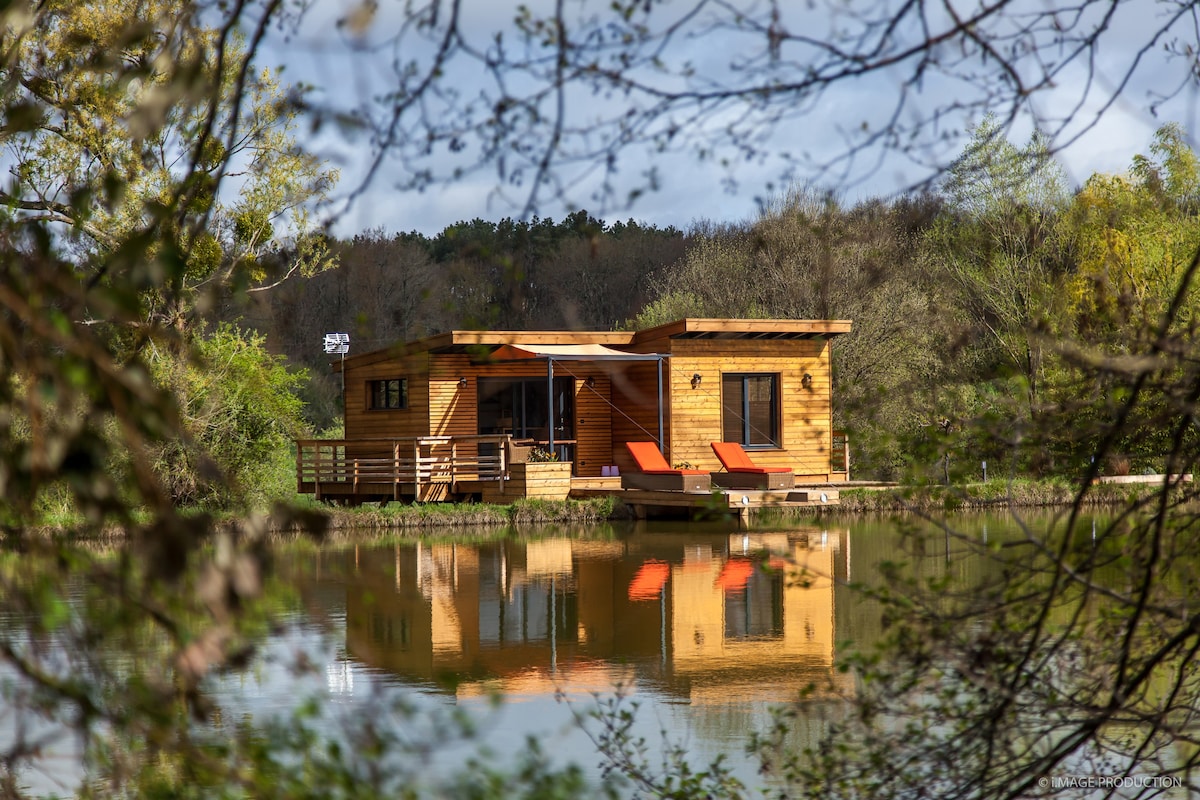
(705, 628)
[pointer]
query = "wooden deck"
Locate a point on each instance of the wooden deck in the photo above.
(438, 468)
(423, 468)
(738, 503)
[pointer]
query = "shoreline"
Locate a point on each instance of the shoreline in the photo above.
(908, 499)
(416, 520)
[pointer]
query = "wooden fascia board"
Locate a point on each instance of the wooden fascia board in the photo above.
(748, 327)
(496, 338)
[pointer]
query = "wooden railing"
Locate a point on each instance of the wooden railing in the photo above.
(361, 464)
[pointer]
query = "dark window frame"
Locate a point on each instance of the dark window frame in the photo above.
(383, 396)
(749, 434)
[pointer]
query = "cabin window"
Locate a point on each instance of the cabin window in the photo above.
(750, 409)
(390, 393)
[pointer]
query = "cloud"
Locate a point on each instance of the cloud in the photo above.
(352, 73)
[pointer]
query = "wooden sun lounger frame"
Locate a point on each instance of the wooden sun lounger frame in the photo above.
(658, 476)
(741, 473)
(661, 482)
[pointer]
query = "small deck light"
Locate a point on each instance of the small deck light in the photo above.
(806, 381)
(696, 380)
(462, 383)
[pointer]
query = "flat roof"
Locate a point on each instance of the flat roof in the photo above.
(689, 328)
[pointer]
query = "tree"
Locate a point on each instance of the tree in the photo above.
(596, 281)
(386, 289)
(1135, 235)
(1000, 684)
(75, 401)
(1000, 246)
(241, 412)
(161, 139)
(98, 147)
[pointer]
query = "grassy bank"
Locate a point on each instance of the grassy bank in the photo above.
(993, 494)
(403, 517)
(927, 499)
(406, 519)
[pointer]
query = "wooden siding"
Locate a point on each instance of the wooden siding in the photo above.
(805, 424)
(635, 419)
(453, 409)
(363, 422)
(593, 425)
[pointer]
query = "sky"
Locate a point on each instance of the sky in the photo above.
(349, 71)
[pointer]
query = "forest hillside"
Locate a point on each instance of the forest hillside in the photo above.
(972, 301)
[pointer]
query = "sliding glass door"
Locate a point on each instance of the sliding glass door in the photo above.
(521, 408)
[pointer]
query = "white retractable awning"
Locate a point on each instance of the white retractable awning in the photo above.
(568, 352)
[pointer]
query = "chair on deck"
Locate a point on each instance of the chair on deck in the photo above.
(655, 474)
(516, 451)
(742, 473)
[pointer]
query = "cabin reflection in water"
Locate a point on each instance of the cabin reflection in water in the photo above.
(742, 617)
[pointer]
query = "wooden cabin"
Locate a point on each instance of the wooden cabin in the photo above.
(580, 395)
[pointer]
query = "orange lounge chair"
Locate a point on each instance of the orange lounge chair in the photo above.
(742, 473)
(655, 474)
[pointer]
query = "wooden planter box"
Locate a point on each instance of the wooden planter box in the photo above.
(548, 480)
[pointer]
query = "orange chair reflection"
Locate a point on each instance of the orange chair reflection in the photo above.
(735, 574)
(647, 584)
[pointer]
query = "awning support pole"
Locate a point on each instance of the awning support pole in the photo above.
(550, 403)
(661, 443)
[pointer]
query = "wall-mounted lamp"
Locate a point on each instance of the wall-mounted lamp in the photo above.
(696, 380)
(462, 383)
(591, 381)
(806, 381)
